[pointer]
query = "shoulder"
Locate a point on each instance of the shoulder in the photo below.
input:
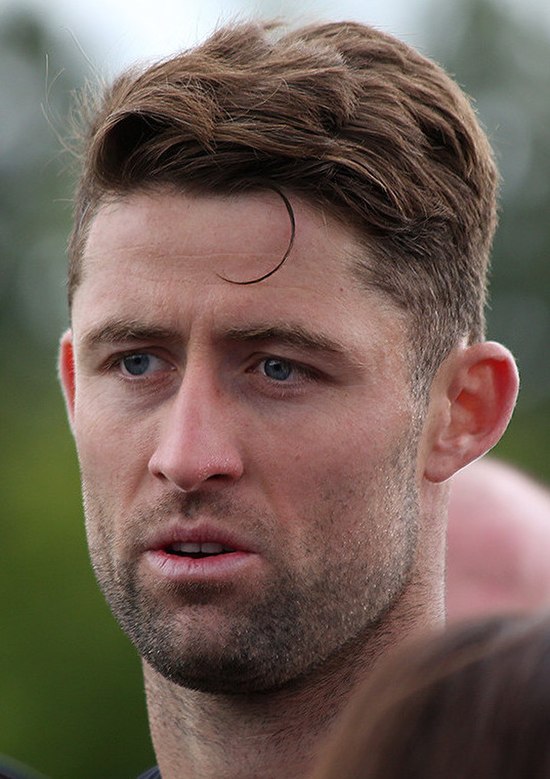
(152, 773)
(10, 769)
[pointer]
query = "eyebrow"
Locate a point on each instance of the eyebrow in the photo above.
(288, 334)
(294, 335)
(120, 330)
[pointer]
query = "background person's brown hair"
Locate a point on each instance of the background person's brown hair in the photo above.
(340, 114)
(471, 703)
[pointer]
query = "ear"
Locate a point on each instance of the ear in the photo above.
(66, 372)
(473, 398)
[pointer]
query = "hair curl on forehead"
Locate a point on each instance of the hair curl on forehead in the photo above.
(341, 115)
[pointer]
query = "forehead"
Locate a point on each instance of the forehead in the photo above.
(246, 232)
(159, 249)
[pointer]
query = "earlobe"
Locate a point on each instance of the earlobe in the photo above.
(67, 373)
(478, 393)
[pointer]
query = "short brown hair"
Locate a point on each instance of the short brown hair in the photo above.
(340, 114)
(471, 702)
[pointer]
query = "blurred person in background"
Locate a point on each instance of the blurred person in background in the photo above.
(471, 702)
(498, 541)
(276, 363)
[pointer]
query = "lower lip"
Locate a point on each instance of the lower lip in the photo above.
(216, 567)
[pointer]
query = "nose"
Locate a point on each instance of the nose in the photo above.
(196, 448)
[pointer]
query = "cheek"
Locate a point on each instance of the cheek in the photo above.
(350, 480)
(330, 445)
(326, 475)
(113, 453)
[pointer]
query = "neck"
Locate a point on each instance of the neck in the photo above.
(273, 734)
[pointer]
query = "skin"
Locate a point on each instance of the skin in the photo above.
(498, 542)
(277, 418)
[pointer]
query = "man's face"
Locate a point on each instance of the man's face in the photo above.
(248, 452)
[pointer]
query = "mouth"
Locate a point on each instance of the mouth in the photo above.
(197, 550)
(200, 554)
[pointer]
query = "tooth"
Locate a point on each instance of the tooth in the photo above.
(191, 547)
(211, 548)
(188, 548)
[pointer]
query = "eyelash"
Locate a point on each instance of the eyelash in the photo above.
(115, 362)
(302, 371)
(299, 374)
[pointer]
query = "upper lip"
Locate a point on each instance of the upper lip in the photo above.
(202, 533)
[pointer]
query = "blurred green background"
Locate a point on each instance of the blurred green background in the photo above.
(71, 701)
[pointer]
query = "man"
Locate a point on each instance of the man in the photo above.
(275, 364)
(498, 542)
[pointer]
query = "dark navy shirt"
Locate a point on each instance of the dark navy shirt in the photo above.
(152, 773)
(16, 771)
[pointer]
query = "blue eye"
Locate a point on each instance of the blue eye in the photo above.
(136, 364)
(279, 370)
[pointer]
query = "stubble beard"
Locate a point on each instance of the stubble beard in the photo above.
(298, 622)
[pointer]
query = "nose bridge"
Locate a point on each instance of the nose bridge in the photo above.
(195, 403)
(196, 442)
